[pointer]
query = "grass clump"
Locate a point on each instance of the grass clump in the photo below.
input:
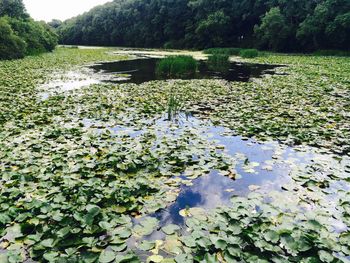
(219, 63)
(175, 105)
(244, 53)
(177, 66)
(249, 53)
(223, 51)
(333, 53)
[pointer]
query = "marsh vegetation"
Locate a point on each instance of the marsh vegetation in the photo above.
(233, 154)
(197, 170)
(219, 63)
(177, 66)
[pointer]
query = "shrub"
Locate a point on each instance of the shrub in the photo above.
(249, 53)
(20, 37)
(11, 46)
(219, 63)
(223, 51)
(38, 36)
(177, 66)
(339, 53)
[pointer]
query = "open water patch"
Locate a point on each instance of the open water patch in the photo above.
(142, 70)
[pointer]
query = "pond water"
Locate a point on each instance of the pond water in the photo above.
(144, 69)
(262, 167)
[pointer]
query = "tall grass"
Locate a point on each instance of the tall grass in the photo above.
(219, 63)
(249, 53)
(177, 66)
(244, 53)
(176, 103)
(223, 51)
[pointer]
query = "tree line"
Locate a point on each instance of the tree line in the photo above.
(280, 25)
(20, 35)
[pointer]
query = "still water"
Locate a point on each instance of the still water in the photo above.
(143, 70)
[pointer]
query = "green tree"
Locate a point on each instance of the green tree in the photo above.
(327, 26)
(338, 31)
(37, 35)
(273, 31)
(55, 23)
(212, 30)
(13, 8)
(20, 35)
(279, 24)
(11, 46)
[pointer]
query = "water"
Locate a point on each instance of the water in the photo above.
(261, 166)
(143, 70)
(214, 189)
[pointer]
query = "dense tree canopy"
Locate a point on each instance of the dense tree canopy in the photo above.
(19, 34)
(273, 31)
(273, 24)
(13, 8)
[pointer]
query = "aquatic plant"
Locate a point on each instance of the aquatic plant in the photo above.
(223, 51)
(70, 190)
(175, 104)
(219, 63)
(177, 66)
(334, 53)
(249, 53)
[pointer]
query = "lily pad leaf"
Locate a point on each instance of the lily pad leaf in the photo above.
(146, 245)
(155, 259)
(170, 229)
(325, 256)
(107, 256)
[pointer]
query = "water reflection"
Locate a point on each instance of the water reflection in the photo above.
(262, 167)
(142, 70)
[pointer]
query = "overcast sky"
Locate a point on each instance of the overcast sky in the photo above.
(59, 9)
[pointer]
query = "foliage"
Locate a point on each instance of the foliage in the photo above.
(336, 53)
(223, 51)
(37, 35)
(83, 170)
(280, 25)
(12, 8)
(273, 32)
(219, 63)
(211, 31)
(256, 230)
(55, 23)
(176, 104)
(327, 26)
(21, 35)
(177, 66)
(249, 53)
(75, 202)
(11, 46)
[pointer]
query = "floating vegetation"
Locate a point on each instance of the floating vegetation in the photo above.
(86, 172)
(334, 53)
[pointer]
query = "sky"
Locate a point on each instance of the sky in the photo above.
(59, 9)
